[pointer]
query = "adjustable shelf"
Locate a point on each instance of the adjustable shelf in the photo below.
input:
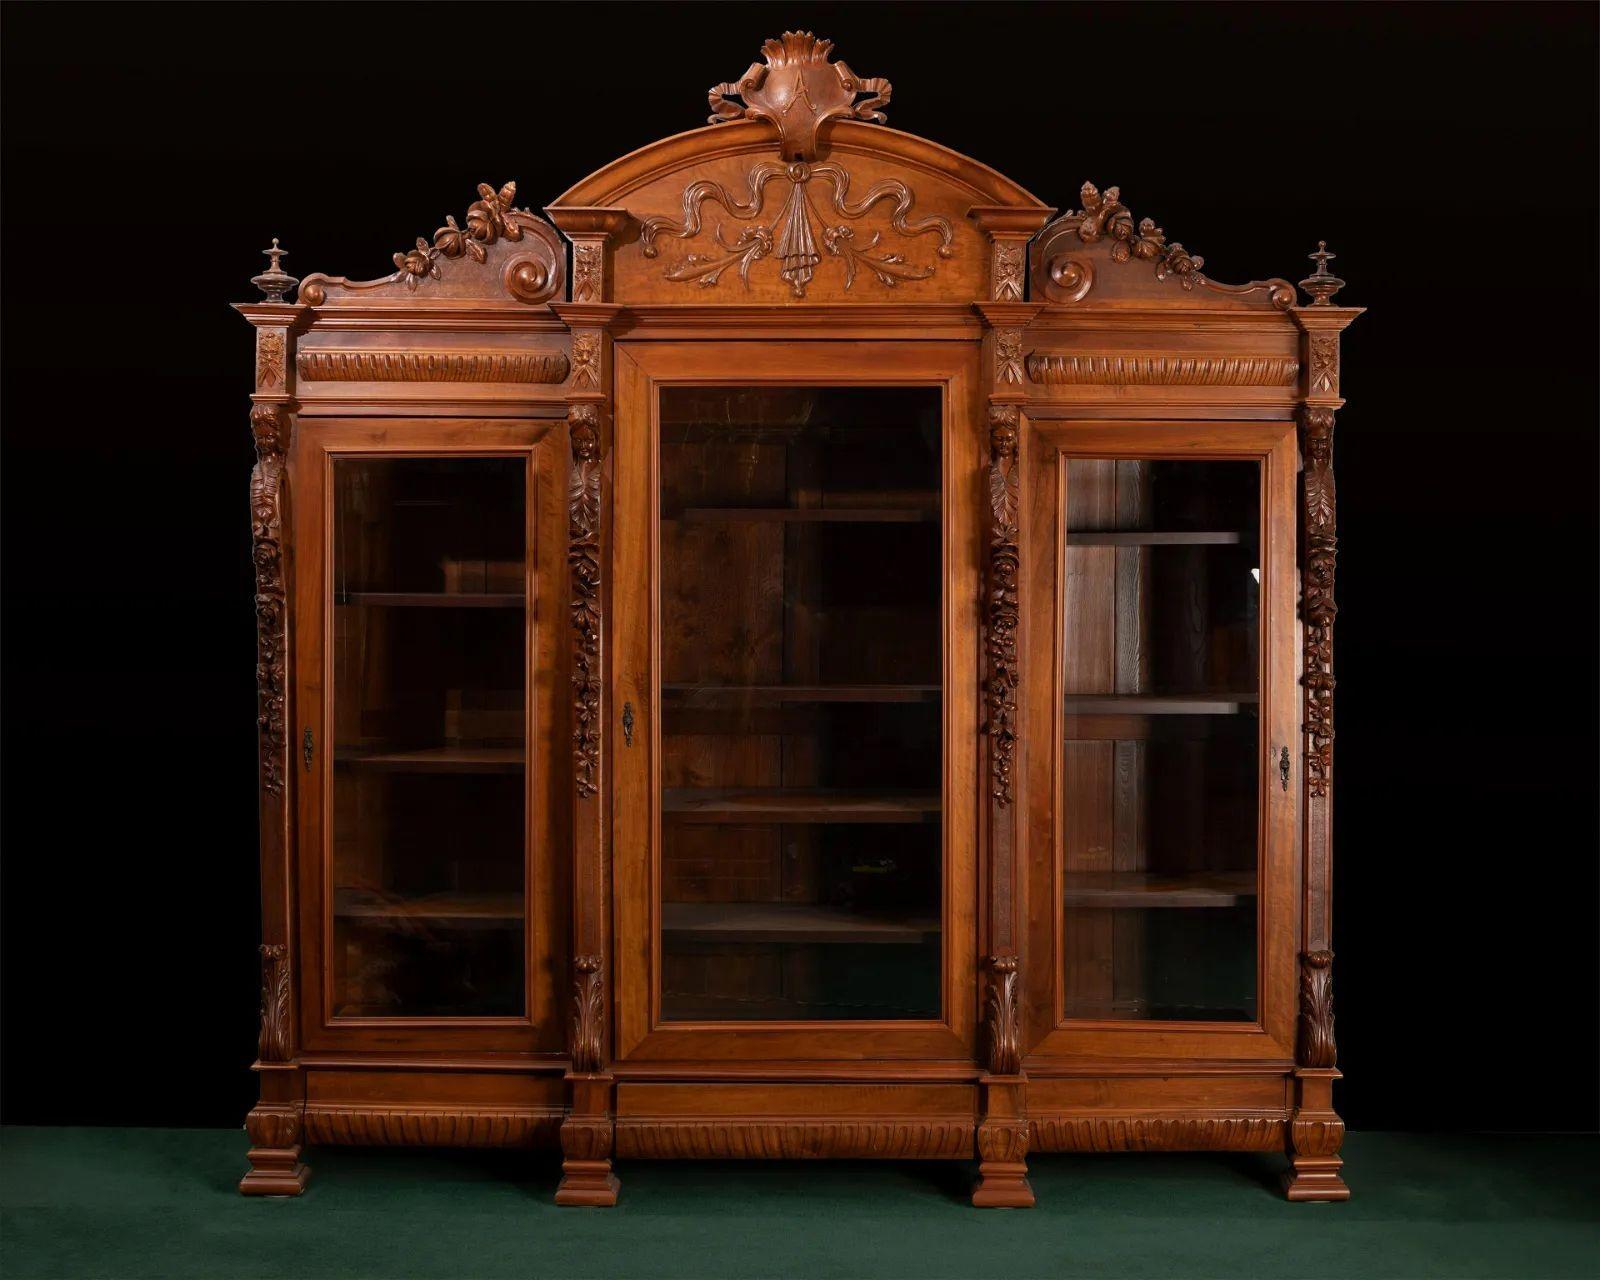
(1121, 890)
(433, 599)
(708, 695)
(1152, 538)
(1172, 704)
(809, 515)
(792, 922)
(463, 910)
(795, 805)
(435, 760)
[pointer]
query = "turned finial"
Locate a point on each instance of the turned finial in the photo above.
(1321, 284)
(274, 282)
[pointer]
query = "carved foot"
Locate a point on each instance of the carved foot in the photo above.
(586, 1177)
(1315, 1135)
(1003, 1167)
(274, 1155)
(1315, 1178)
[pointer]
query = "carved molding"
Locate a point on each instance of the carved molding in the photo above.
(269, 359)
(1002, 612)
(276, 1007)
(273, 1127)
(1317, 606)
(794, 234)
(431, 366)
(429, 1126)
(1314, 1044)
(586, 1139)
(1129, 1132)
(1003, 1019)
(1164, 371)
(1003, 1143)
(1322, 1136)
(1105, 217)
(794, 1139)
(797, 90)
(583, 562)
(1007, 264)
(269, 424)
(589, 1018)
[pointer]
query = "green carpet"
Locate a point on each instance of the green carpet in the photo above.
(161, 1202)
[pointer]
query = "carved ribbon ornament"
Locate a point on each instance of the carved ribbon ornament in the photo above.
(801, 234)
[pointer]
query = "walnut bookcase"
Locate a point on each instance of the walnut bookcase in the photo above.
(800, 651)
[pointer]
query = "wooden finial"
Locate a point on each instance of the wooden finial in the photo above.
(1321, 284)
(275, 281)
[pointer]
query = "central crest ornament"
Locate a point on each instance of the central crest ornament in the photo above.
(797, 90)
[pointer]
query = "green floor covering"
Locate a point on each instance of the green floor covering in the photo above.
(161, 1202)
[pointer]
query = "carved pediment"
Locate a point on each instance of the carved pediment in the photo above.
(797, 90)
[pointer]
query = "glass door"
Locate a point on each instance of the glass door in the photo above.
(801, 694)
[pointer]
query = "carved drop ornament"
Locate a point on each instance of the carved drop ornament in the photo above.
(590, 1014)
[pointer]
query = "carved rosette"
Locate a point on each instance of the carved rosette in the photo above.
(1317, 604)
(1002, 613)
(589, 1017)
(275, 1003)
(1003, 1017)
(801, 232)
(583, 562)
(269, 423)
(1314, 1043)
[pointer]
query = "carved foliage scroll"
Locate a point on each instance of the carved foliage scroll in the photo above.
(1317, 604)
(801, 233)
(486, 223)
(583, 563)
(1003, 1017)
(269, 423)
(1315, 1045)
(273, 1045)
(588, 1019)
(1002, 606)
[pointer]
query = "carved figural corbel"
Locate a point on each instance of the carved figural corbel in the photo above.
(801, 233)
(1314, 1043)
(274, 1041)
(583, 562)
(1002, 609)
(1317, 605)
(1003, 1017)
(587, 1020)
(269, 423)
(797, 90)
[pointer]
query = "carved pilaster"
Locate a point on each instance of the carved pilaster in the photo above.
(589, 1018)
(1002, 1019)
(270, 425)
(275, 1003)
(583, 562)
(1002, 605)
(1314, 1045)
(1317, 606)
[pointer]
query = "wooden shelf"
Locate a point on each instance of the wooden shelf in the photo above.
(1174, 704)
(701, 695)
(434, 599)
(469, 909)
(794, 922)
(1120, 890)
(1152, 538)
(436, 760)
(809, 515)
(795, 805)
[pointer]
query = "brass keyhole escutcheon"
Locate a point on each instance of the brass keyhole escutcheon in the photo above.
(627, 723)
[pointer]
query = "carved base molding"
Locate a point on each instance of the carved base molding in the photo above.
(911, 1138)
(1150, 1131)
(274, 1155)
(430, 1126)
(1003, 1167)
(1314, 1178)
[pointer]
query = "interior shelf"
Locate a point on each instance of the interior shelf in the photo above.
(1152, 538)
(434, 599)
(436, 760)
(467, 908)
(794, 922)
(810, 515)
(713, 695)
(797, 805)
(1172, 704)
(1118, 890)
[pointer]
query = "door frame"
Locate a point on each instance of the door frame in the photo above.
(642, 369)
(1048, 1035)
(317, 445)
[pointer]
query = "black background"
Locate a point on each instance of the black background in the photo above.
(1447, 153)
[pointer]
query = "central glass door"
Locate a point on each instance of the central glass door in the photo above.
(801, 695)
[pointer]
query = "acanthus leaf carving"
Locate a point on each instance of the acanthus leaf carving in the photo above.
(273, 1044)
(1325, 363)
(589, 1016)
(797, 90)
(1008, 261)
(1003, 1017)
(1317, 606)
(269, 424)
(1314, 1046)
(269, 359)
(1154, 1132)
(793, 236)
(273, 1127)
(1002, 611)
(583, 562)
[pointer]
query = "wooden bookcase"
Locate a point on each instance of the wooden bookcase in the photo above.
(800, 651)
